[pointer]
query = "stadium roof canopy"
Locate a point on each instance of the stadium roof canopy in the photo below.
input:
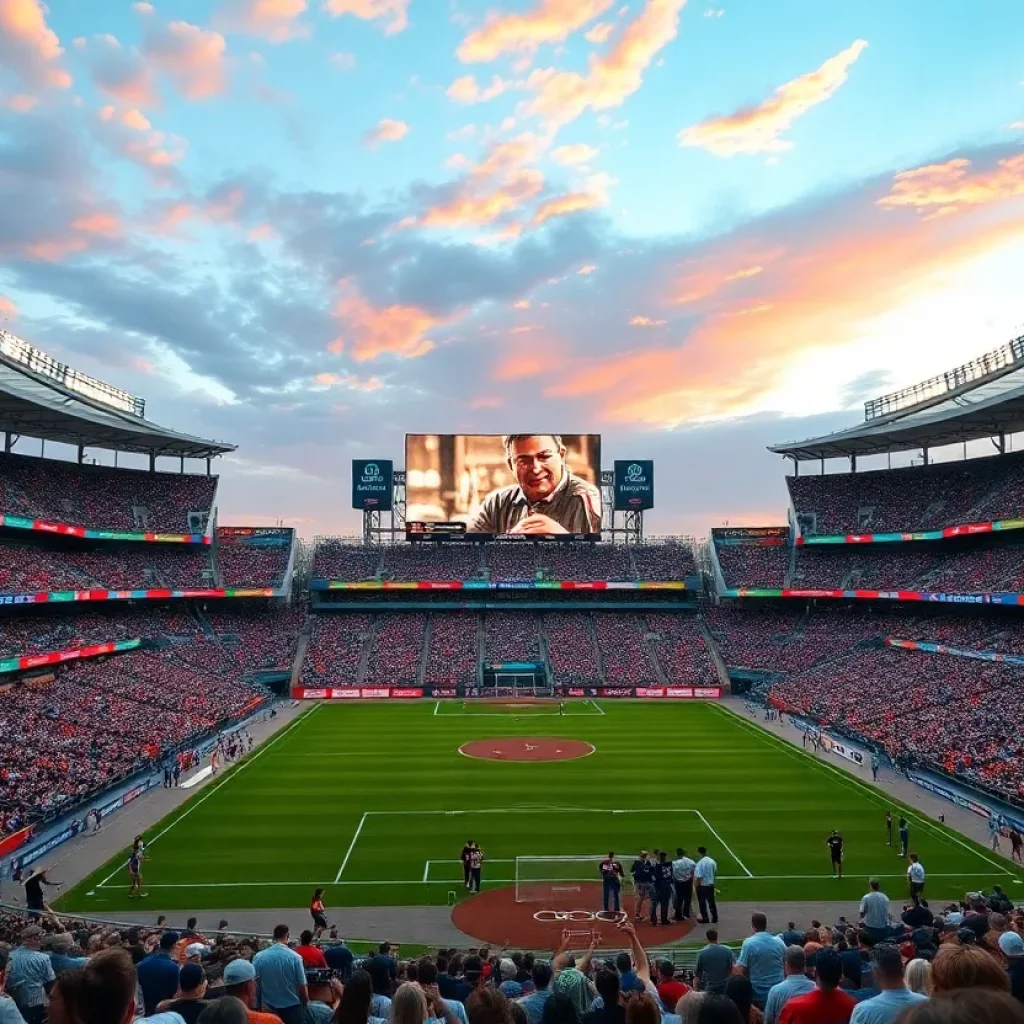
(44, 399)
(982, 398)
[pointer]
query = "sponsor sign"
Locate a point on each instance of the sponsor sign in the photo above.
(742, 533)
(33, 854)
(372, 484)
(445, 693)
(576, 692)
(343, 693)
(133, 793)
(616, 691)
(679, 691)
(324, 584)
(634, 484)
(375, 691)
(8, 844)
(67, 530)
(414, 691)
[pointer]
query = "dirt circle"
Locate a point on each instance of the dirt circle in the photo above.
(526, 748)
(493, 916)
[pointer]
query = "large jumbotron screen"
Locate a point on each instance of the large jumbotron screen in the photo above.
(502, 485)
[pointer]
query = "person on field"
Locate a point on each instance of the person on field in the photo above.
(704, 873)
(642, 871)
(611, 881)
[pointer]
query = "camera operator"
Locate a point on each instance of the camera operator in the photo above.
(324, 995)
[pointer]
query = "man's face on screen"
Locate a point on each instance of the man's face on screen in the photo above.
(537, 464)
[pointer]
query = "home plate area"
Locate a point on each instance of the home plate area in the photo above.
(539, 918)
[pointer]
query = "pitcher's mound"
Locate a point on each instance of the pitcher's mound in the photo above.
(519, 748)
(493, 916)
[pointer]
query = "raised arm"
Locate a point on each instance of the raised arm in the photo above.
(641, 964)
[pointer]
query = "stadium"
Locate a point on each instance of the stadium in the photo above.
(275, 716)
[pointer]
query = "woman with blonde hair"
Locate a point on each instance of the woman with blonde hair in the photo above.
(413, 1004)
(918, 976)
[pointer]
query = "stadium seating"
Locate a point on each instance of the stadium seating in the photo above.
(28, 568)
(914, 498)
(625, 654)
(250, 565)
(571, 649)
(101, 720)
(681, 650)
(341, 559)
(753, 565)
(671, 560)
(432, 562)
(511, 636)
(454, 657)
(397, 650)
(335, 650)
(104, 498)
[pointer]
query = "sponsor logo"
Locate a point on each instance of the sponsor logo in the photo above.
(343, 693)
(43, 848)
(375, 691)
(399, 692)
(133, 793)
(577, 693)
(679, 691)
(643, 691)
(634, 473)
(707, 691)
(553, 916)
(616, 691)
(314, 694)
(446, 693)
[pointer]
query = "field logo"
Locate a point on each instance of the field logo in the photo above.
(577, 916)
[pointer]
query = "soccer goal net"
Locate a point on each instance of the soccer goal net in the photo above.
(561, 879)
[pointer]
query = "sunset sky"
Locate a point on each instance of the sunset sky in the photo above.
(309, 226)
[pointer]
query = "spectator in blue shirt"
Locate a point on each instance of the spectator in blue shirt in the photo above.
(534, 1004)
(158, 973)
(60, 947)
(894, 996)
(9, 1012)
(796, 983)
(282, 979)
(761, 959)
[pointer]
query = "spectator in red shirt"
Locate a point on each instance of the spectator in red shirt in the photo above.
(828, 1002)
(670, 989)
(312, 956)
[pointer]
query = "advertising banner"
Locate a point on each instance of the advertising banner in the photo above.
(962, 530)
(634, 484)
(372, 482)
(323, 584)
(8, 844)
(406, 691)
(879, 595)
(67, 530)
(59, 657)
(59, 596)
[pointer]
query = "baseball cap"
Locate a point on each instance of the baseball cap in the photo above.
(1011, 944)
(195, 949)
(190, 977)
(238, 971)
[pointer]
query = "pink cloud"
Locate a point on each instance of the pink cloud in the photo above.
(386, 130)
(467, 90)
(7, 308)
(395, 13)
(22, 103)
(758, 129)
(562, 96)
(587, 270)
(470, 207)
(945, 188)
(129, 134)
(29, 47)
(122, 74)
(192, 57)
(373, 331)
(277, 21)
(349, 381)
(108, 225)
(551, 21)
(600, 33)
(574, 155)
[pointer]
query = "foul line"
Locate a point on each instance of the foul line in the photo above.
(725, 845)
(352, 845)
(874, 795)
(239, 768)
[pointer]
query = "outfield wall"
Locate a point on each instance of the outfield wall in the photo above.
(434, 692)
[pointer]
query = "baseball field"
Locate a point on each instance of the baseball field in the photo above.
(374, 803)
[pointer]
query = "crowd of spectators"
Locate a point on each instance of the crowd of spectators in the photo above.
(102, 497)
(682, 650)
(963, 965)
(252, 565)
(336, 558)
(572, 650)
(625, 651)
(335, 650)
(913, 498)
(77, 729)
(753, 565)
(942, 567)
(397, 651)
(454, 654)
(511, 636)
(28, 568)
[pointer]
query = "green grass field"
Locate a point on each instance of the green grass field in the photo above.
(374, 802)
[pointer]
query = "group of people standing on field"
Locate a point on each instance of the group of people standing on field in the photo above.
(659, 882)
